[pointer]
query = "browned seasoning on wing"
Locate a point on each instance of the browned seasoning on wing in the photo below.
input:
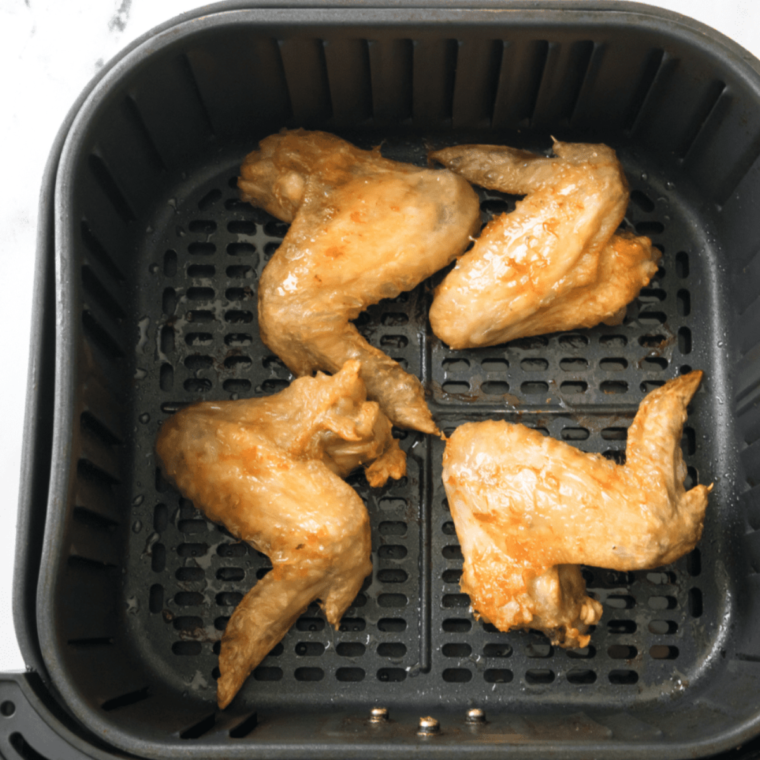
(528, 510)
(363, 228)
(556, 262)
(270, 470)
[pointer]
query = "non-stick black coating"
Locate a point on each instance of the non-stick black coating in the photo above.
(158, 310)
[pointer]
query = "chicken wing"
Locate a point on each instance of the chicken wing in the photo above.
(554, 263)
(363, 228)
(270, 471)
(528, 510)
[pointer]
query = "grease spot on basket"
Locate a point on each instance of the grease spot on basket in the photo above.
(198, 682)
(142, 341)
(149, 544)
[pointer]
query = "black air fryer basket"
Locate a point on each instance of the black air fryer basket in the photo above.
(146, 302)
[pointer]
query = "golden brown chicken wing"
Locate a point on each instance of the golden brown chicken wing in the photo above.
(529, 510)
(270, 471)
(363, 228)
(554, 262)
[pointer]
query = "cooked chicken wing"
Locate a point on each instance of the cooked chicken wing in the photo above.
(363, 228)
(528, 510)
(270, 470)
(554, 263)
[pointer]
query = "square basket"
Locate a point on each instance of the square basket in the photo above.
(147, 302)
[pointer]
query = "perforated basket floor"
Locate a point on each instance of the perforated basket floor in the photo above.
(198, 339)
(157, 268)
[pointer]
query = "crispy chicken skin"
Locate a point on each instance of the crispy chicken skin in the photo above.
(529, 510)
(270, 470)
(363, 228)
(554, 263)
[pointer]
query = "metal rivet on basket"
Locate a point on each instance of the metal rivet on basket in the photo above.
(428, 726)
(378, 715)
(476, 715)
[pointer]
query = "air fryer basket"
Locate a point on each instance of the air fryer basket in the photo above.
(157, 264)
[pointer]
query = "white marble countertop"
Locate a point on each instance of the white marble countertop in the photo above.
(49, 50)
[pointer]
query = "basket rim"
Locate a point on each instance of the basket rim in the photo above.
(61, 164)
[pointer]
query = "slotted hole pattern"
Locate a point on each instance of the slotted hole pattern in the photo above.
(212, 350)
